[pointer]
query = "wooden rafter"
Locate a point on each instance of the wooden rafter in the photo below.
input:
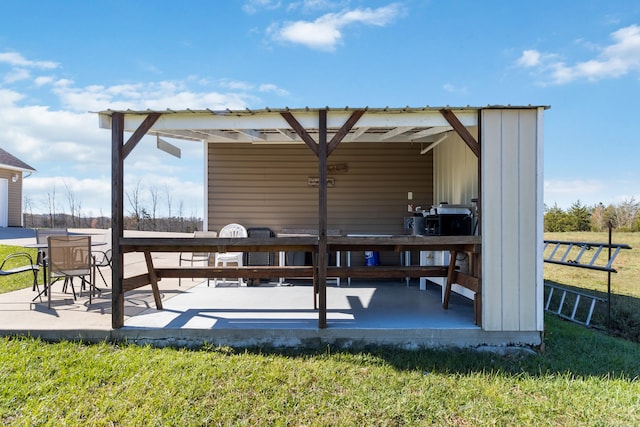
(300, 130)
(344, 130)
(462, 131)
(395, 132)
(131, 143)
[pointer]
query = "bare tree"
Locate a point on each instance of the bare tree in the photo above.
(50, 206)
(153, 191)
(167, 194)
(135, 202)
(74, 205)
(625, 213)
(28, 207)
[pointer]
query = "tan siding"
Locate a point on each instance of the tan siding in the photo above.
(511, 198)
(266, 186)
(15, 198)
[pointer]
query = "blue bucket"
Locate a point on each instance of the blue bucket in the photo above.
(371, 258)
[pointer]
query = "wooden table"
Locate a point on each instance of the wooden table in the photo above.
(453, 244)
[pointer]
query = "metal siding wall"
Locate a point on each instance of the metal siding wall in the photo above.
(266, 186)
(491, 146)
(528, 213)
(510, 180)
(511, 187)
(455, 171)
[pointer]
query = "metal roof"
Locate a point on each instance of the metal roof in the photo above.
(406, 124)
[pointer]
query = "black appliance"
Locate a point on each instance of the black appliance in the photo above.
(449, 225)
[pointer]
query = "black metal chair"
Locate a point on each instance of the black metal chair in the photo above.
(21, 269)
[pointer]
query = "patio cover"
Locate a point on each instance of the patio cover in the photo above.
(321, 129)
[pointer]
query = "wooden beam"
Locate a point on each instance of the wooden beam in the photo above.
(153, 280)
(117, 220)
(148, 122)
(297, 127)
(395, 132)
(433, 144)
(359, 132)
(344, 130)
(430, 131)
(323, 153)
(462, 131)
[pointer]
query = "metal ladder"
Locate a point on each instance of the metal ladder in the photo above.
(578, 296)
(567, 247)
(564, 249)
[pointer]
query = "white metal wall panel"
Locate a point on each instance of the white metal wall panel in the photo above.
(455, 171)
(511, 185)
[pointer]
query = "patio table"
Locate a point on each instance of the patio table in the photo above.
(41, 254)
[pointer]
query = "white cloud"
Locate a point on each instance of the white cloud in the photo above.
(590, 192)
(618, 59)
(43, 80)
(454, 89)
(529, 58)
(253, 6)
(16, 75)
(268, 87)
(153, 95)
(326, 32)
(66, 147)
(314, 5)
(17, 60)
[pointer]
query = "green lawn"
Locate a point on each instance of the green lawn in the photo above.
(625, 284)
(583, 377)
(21, 280)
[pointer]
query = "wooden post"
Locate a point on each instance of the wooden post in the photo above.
(117, 220)
(119, 151)
(322, 219)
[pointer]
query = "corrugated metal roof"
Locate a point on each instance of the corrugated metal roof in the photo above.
(10, 161)
(248, 111)
(406, 124)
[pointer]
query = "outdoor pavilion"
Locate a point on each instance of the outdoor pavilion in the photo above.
(516, 156)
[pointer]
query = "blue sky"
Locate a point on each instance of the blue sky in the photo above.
(60, 61)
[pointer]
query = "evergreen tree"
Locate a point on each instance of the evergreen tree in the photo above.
(579, 217)
(555, 219)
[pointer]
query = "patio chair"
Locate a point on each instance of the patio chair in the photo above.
(21, 269)
(196, 257)
(70, 257)
(41, 239)
(222, 259)
(102, 258)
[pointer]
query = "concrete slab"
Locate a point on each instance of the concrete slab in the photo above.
(368, 312)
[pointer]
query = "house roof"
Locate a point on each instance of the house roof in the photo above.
(268, 125)
(9, 161)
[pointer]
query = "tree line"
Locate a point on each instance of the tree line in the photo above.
(143, 212)
(624, 217)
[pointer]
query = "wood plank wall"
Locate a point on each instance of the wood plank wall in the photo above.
(267, 186)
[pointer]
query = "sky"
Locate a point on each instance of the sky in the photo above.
(62, 61)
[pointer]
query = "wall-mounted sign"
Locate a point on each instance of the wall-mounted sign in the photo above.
(314, 181)
(339, 168)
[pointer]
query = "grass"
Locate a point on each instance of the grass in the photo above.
(625, 284)
(584, 377)
(21, 280)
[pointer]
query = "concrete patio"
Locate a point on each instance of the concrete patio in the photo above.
(367, 312)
